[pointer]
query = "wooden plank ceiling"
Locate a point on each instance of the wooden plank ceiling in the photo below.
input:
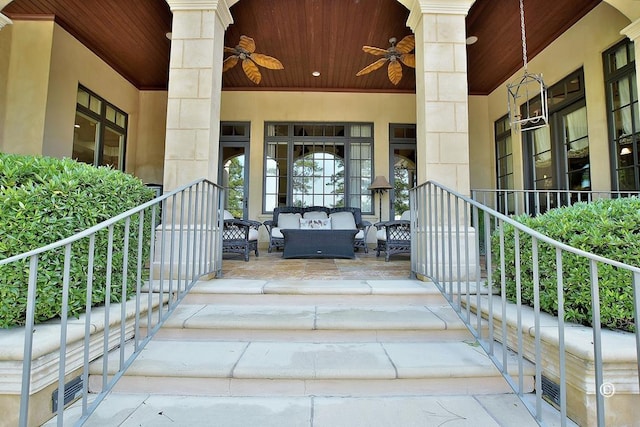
(306, 36)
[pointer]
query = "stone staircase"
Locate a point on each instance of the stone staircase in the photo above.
(343, 352)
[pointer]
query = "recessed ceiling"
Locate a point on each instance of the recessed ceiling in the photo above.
(306, 36)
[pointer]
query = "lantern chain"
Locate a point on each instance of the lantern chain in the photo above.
(524, 38)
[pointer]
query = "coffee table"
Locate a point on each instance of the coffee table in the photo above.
(303, 243)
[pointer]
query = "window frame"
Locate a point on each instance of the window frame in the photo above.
(611, 77)
(291, 140)
(104, 124)
(408, 141)
(558, 107)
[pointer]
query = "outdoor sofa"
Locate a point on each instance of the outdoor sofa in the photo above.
(318, 218)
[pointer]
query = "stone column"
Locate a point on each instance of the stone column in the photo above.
(195, 86)
(441, 91)
(192, 136)
(442, 136)
(633, 32)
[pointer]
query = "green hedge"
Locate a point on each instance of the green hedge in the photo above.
(43, 200)
(609, 228)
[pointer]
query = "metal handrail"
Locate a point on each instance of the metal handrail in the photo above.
(184, 246)
(446, 249)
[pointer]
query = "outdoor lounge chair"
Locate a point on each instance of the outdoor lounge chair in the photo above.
(394, 237)
(240, 235)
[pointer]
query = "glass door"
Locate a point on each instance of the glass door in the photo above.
(233, 169)
(403, 177)
(234, 178)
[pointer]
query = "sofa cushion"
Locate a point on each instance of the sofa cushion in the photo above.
(253, 234)
(289, 220)
(315, 215)
(315, 224)
(381, 234)
(343, 221)
(227, 215)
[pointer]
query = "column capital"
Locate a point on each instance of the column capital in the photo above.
(437, 7)
(219, 6)
(4, 21)
(632, 31)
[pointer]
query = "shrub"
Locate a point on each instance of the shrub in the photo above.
(43, 200)
(609, 228)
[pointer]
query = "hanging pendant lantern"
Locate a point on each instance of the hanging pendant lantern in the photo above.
(530, 114)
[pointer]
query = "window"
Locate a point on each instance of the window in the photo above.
(504, 163)
(557, 156)
(100, 131)
(318, 164)
(623, 115)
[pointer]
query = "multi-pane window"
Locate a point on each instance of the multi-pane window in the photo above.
(100, 131)
(504, 154)
(318, 164)
(623, 115)
(504, 163)
(557, 156)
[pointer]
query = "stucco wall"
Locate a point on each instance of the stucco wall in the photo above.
(26, 89)
(5, 46)
(580, 46)
(261, 107)
(43, 68)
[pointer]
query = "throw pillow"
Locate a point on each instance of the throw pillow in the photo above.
(315, 215)
(316, 224)
(289, 220)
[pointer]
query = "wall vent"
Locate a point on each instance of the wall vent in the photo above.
(550, 391)
(72, 390)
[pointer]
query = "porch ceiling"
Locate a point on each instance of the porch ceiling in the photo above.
(306, 35)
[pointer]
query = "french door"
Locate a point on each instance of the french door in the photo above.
(233, 170)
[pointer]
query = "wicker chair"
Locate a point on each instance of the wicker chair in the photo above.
(240, 236)
(394, 237)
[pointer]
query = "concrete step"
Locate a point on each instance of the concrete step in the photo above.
(295, 292)
(319, 311)
(140, 409)
(311, 338)
(236, 368)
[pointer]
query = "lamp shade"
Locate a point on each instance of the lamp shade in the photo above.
(380, 183)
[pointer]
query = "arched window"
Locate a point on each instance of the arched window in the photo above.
(318, 164)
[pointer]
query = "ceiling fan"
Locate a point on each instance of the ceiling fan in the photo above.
(396, 53)
(246, 51)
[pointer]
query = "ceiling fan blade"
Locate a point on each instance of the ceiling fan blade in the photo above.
(408, 59)
(407, 44)
(267, 61)
(229, 63)
(251, 70)
(372, 67)
(247, 44)
(395, 72)
(229, 50)
(374, 50)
